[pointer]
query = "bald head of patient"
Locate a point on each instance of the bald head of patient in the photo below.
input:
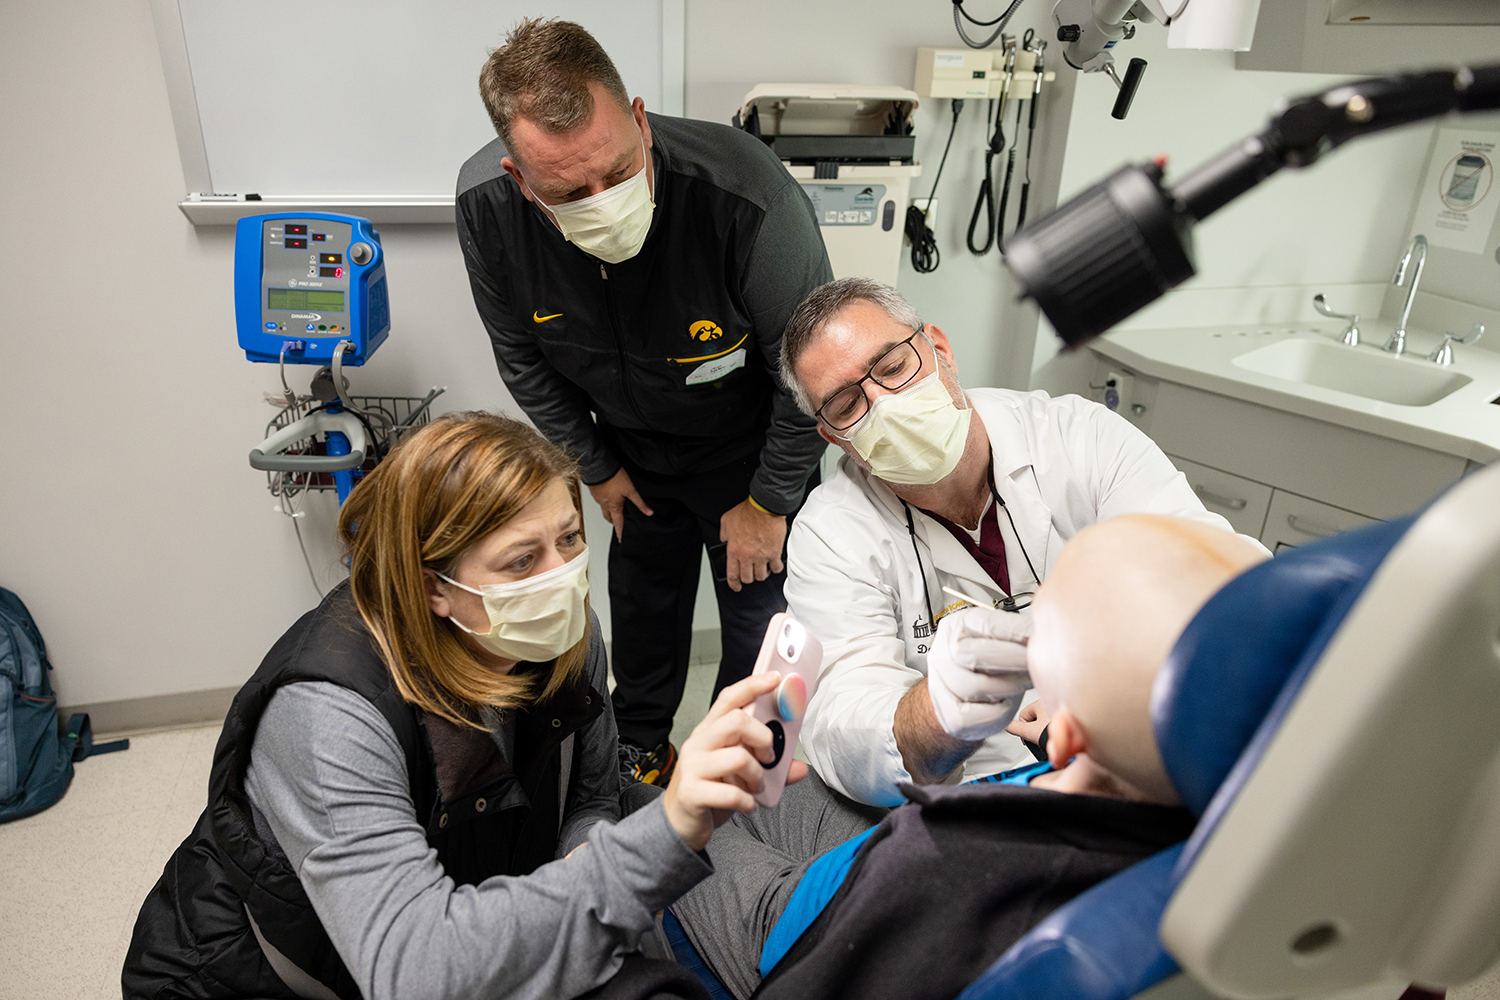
(1109, 613)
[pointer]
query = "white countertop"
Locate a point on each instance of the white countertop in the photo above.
(1464, 423)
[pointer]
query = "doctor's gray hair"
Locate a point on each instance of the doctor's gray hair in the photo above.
(825, 302)
(542, 73)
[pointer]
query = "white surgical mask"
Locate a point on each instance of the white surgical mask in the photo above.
(535, 619)
(612, 225)
(912, 437)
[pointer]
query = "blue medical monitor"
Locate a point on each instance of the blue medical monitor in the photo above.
(305, 281)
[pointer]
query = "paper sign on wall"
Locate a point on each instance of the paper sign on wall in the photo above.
(1456, 206)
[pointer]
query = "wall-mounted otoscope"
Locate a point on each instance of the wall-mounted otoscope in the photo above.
(1120, 245)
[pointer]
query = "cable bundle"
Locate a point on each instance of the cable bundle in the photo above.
(924, 249)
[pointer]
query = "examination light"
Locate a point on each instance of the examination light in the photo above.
(1121, 244)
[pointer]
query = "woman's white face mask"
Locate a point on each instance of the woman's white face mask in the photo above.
(912, 437)
(612, 225)
(536, 619)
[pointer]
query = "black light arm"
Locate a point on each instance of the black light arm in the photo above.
(1124, 242)
(1128, 87)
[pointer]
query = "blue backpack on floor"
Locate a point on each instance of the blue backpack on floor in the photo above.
(36, 763)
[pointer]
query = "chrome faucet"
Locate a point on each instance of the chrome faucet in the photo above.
(1350, 335)
(1397, 343)
(1443, 354)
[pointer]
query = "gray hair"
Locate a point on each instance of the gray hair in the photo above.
(825, 302)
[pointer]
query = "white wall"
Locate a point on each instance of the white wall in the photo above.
(1338, 225)
(135, 530)
(133, 526)
(733, 46)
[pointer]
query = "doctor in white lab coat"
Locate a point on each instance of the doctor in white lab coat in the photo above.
(869, 554)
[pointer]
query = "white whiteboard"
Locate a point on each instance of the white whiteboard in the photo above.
(377, 99)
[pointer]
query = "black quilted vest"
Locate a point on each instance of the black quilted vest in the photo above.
(192, 937)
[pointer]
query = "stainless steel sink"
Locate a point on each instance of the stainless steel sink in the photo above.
(1355, 370)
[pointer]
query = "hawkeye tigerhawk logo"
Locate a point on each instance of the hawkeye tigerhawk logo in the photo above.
(706, 331)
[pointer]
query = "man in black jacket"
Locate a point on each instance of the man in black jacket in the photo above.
(635, 273)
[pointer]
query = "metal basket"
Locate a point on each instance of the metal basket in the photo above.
(406, 414)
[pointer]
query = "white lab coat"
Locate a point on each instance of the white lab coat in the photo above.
(853, 578)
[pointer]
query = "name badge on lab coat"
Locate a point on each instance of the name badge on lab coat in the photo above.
(710, 371)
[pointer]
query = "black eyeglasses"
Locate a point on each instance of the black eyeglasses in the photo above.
(893, 370)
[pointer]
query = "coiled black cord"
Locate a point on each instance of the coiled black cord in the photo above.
(960, 16)
(925, 257)
(1010, 170)
(986, 199)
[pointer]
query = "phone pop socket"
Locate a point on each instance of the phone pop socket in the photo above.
(791, 697)
(789, 649)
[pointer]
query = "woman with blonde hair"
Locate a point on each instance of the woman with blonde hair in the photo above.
(417, 794)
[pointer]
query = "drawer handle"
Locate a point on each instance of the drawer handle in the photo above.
(1219, 500)
(1316, 530)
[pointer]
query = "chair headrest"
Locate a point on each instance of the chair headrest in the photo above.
(1248, 650)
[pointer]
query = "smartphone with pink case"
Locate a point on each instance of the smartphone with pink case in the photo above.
(797, 655)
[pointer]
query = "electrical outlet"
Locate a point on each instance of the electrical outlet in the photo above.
(1119, 393)
(932, 214)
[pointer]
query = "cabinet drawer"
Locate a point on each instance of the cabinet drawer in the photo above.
(1295, 520)
(1376, 476)
(1242, 502)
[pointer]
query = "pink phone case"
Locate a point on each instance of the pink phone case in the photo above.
(792, 650)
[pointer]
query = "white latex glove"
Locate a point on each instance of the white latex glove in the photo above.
(976, 670)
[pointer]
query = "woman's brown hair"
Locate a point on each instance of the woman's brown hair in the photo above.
(440, 491)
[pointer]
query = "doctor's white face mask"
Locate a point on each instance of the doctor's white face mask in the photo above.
(612, 225)
(912, 437)
(536, 619)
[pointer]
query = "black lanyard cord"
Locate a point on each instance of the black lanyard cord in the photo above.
(1009, 603)
(989, 474)
(911, 529)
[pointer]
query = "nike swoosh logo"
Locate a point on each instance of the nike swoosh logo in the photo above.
(538, 317)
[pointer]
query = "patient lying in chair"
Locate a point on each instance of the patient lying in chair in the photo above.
(921, 904)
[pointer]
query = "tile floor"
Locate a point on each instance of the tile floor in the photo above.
(72, 877)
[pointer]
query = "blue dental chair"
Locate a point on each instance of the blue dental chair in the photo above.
(1333, 717)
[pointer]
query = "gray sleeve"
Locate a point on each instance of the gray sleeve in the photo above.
(330, 778)
(558, 408)
(786, 263)
(594, 791)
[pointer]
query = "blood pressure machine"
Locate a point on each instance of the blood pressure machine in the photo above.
(310, 289)
(309, 286)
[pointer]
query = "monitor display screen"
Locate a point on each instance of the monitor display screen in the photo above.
(304, 299)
